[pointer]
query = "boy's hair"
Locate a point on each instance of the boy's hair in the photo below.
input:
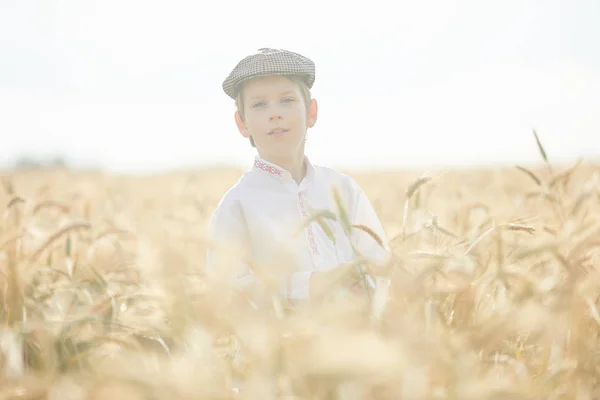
(304, 90)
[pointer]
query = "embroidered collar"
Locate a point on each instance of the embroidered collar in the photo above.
(270, 168)
(278, 172)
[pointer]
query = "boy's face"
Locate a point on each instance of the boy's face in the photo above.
(276, 116)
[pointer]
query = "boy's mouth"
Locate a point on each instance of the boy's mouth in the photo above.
(278, 131)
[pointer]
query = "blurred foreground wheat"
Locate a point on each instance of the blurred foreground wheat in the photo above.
(495, 276)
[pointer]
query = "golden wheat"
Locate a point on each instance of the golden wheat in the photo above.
(494, 283)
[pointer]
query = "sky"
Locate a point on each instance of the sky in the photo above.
(135, 86)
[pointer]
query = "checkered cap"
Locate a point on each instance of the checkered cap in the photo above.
(269, 62)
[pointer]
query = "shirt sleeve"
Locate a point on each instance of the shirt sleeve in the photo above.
(364, 214)
(229, 249)
(228, 246)
(299, 286)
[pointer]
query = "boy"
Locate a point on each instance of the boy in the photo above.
(259, 230)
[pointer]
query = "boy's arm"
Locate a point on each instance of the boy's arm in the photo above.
(228, 247)
(364, 214)
(299, 285)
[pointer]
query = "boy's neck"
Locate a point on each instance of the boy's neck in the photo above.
(296, 166)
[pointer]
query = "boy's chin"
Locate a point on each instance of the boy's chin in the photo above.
(279, 143)
(280, 150)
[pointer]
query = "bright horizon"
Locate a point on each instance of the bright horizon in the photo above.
(136, 87)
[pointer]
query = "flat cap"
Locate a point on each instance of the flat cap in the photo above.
(268, 62)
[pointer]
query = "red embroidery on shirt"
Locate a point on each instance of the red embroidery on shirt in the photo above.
(311, 236)
(268, 168)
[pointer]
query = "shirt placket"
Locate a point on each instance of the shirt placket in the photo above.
(309, 232)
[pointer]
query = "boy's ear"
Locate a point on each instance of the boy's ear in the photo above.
(241, 125)
(313, 111)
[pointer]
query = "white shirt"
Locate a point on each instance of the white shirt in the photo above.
(260, 220)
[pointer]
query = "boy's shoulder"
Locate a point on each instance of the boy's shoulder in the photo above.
(334, 177)
(234, 194)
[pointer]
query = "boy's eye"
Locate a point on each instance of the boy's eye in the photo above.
(288, 99)
(258, 104)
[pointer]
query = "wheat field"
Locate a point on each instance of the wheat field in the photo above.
(495, 277)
